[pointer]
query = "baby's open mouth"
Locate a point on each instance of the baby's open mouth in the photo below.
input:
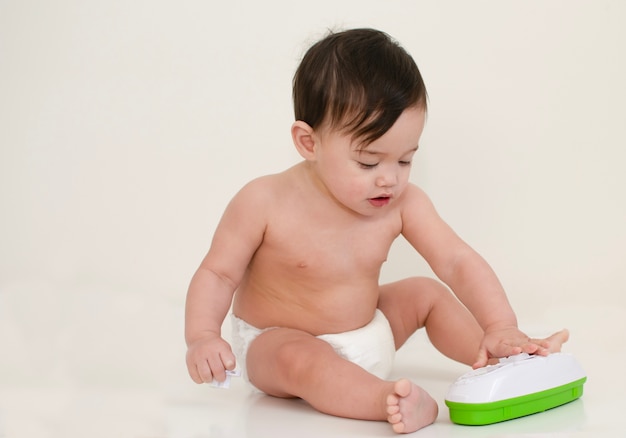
(380, 201)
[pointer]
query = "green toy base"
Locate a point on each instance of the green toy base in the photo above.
(477, 414)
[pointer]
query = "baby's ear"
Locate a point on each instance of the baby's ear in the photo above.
(304, 139)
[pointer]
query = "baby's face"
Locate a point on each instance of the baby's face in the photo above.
(368, 180)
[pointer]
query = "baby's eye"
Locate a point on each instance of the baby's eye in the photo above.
(405, 163)
(366, 165)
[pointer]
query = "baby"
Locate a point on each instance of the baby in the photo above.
(298, 254)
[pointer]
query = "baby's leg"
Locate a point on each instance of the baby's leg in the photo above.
(290, 363)
(423, 302)
(419, 302)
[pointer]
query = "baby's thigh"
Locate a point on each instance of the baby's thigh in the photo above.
(407, 304)
(277, 357)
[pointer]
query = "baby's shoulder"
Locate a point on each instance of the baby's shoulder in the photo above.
(415, 204)
(264, 190)
(266, 185)
(412, 194)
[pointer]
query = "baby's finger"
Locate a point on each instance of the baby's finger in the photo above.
(543, 343)
(204, 371)
(228, 359)
(481, 359)
(536, 347)
(217, 368)
(192, 368)
(506, 349)
(194, 374)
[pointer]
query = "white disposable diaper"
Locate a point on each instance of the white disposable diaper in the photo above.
(371, 347)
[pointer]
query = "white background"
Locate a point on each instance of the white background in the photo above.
(126, 126)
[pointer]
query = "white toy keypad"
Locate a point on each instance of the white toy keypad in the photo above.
(471, 375)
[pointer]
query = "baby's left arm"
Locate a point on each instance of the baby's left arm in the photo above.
(468, 275)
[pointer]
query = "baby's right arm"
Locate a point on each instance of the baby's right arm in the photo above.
(237, 237)
(208, 301)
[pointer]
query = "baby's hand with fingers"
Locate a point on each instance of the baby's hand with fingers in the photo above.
(511, 341)
(208, 358)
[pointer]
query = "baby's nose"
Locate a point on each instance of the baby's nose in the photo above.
(388, 179)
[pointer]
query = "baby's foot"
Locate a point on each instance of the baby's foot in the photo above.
(409, 407)
(554, 342)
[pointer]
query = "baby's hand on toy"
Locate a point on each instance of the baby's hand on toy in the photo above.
(208, 358)
(508, 342)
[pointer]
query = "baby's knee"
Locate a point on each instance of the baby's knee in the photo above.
(298, 355)
(429, 292)
(412, 292)
(426, 286)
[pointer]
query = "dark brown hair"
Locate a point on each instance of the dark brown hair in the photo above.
(358, 80)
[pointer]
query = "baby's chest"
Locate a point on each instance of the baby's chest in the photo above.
(331, 250)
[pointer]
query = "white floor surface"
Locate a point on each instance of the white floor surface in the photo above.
(174, 407)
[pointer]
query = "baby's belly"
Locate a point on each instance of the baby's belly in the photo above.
(335, 310)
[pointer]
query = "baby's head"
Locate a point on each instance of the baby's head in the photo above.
(358, 81)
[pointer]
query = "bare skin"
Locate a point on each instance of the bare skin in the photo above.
(409, 407)
(302, 251)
